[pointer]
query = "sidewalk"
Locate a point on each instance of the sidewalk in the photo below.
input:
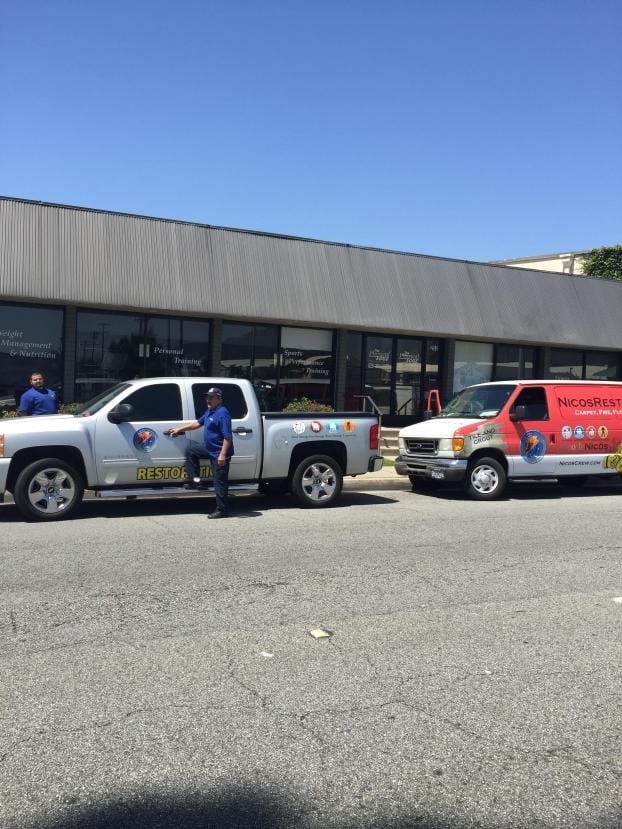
(387, 478)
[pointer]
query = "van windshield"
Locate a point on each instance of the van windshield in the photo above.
(100, 400)
(478, 402)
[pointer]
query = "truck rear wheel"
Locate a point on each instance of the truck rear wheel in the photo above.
(317, 481)
(48, 490)
(486, 479)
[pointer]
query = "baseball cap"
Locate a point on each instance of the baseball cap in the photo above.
(214, 390)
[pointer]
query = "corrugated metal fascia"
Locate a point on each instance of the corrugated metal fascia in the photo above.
(93, 258)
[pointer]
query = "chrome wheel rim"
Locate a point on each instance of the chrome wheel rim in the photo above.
(51, 490)
(484, 479)
(319, 482)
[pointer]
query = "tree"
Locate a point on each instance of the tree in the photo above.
(604, 262)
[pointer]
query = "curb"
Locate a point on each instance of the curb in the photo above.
(372, 481)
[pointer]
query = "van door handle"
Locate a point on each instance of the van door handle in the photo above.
(242, 430)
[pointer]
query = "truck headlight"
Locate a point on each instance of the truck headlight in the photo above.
(402, 445)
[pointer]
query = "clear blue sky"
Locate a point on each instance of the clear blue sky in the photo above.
(475, 129)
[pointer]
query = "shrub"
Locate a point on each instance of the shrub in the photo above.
(305, 404)
(64, 408)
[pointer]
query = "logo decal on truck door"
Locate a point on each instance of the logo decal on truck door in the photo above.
(144, 439)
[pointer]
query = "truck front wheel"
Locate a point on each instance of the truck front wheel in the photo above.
(317, 481)
(486, 479)
(48, 490)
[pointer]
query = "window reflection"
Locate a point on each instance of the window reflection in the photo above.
(378, 365)
(601, 366)
(31, 339)
(408, 364)
(354, 366)
(306, 365)
(472, 364)
(565, 364)
(113, 347)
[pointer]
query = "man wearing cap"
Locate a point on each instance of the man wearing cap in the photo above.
(216, 423)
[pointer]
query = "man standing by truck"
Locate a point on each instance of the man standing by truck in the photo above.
(37, 400)
(218, 438)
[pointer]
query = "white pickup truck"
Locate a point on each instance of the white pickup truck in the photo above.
(116, 446)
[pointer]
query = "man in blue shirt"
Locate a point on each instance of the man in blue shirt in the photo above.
(37, 400)
(216, 423)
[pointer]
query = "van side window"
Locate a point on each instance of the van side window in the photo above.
(232, 397)
(534, 399)
(159, 402)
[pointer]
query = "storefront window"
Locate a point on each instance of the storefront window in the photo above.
(251, 352)
(432, 364)
(601, 366)
(565, 364)
(472, 364)
(31, 339)
(354, 364)
(514, 362)
(237, 350)
(265, 354)
(113, 347)
(306, 365)
(176, 347)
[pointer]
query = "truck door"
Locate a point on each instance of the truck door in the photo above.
(533, 444)
(137, 451)
(245, 425)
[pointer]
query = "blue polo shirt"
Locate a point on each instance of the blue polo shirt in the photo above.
(38, 402)
(216, 426)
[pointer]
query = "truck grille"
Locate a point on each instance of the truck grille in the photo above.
(418, 446)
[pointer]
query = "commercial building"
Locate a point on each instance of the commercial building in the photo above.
(570, 262)
(92, 297)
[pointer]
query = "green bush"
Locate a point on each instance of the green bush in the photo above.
(605, 263)
(305, 404)
(64, 408)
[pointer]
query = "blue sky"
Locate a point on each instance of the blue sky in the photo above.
(474, 129)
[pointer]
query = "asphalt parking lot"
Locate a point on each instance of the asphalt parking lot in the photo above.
(160, 671)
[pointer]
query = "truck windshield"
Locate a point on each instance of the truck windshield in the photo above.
(100, 400)
(478, 402)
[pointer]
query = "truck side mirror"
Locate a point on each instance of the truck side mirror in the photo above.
(519, 413)
(121, 413)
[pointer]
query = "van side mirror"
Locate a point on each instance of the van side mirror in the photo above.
(519, 413)
(121, 413)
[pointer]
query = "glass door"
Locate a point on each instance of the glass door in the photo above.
(408, 366)
(378, 371)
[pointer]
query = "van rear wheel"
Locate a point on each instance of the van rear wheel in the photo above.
(486, 479)
(48, 490)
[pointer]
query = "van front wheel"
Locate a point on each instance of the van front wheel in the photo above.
(486, 479)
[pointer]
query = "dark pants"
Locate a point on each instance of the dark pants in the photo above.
(220, 474)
